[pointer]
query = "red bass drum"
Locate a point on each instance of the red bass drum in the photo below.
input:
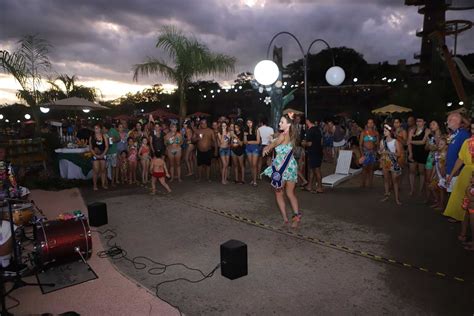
(59, 241)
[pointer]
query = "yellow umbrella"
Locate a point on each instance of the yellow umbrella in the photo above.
(390, 109)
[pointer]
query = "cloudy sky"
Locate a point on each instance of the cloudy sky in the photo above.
(100, 40)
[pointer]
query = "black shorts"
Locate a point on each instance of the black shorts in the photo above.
(204, 158)
(314, 161)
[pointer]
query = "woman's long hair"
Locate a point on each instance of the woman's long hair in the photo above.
(252, 130)
(293, 131)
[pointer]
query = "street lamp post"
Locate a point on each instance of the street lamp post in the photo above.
(265, 74)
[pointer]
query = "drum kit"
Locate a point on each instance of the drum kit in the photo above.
(38, 243)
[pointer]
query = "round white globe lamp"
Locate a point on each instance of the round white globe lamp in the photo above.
(335, 75)
(266, 72)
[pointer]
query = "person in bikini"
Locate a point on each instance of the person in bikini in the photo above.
(223, 139)
(132, 161)
(99, 145)
(190, 154)
(158, 172)
(173, 141)
(144, 154)
(369, 140)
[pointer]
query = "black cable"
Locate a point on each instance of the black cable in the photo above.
(115, 252)
(17, 302)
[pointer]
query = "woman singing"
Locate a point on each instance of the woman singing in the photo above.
(284, 170)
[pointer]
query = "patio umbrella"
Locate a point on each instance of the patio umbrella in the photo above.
(163, 114)
(390, 109)
(200, 114)
(75, 103)
(296, 112)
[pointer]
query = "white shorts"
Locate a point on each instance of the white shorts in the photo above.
(339, 144)
(112, 160)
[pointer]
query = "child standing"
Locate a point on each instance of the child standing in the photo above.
(159, 172)
(132, 161)
(468, 205)
(123, 166)
(144, 154)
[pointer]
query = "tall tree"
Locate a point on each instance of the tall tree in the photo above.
(190, 59)
(28, 65)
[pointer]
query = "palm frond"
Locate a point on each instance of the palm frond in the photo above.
(173, 41)
(14, 64)
(152, 66)
(34, 51)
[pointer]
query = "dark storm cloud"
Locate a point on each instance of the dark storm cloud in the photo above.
(103, 39)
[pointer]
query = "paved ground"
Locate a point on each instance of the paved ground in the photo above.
(287, 275)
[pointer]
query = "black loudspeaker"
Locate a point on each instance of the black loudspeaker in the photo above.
(97, 214)
(234, 259)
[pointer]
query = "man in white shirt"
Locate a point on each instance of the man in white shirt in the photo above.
(266, 135)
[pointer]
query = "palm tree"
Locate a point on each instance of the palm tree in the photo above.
(67, 88)
(190, 59)
(28, 64)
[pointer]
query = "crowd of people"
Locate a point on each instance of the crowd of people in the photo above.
(436, 158)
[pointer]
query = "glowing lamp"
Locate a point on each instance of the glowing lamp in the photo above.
(335, 75)
(266, 72)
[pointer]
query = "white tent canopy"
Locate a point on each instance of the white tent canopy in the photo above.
(74, 103)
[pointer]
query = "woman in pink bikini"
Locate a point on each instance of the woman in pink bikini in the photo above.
(173, 142)
(144, 154)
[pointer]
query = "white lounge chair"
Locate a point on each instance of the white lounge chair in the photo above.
(343, 170)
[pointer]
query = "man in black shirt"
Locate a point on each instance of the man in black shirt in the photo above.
(83, 133)
(314, 147)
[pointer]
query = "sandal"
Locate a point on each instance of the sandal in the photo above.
(296, 219)
(462, 238)
(386, 197)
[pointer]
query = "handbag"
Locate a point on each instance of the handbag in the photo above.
(277, 174)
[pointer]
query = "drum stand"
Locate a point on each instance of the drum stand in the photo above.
(17, 266)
